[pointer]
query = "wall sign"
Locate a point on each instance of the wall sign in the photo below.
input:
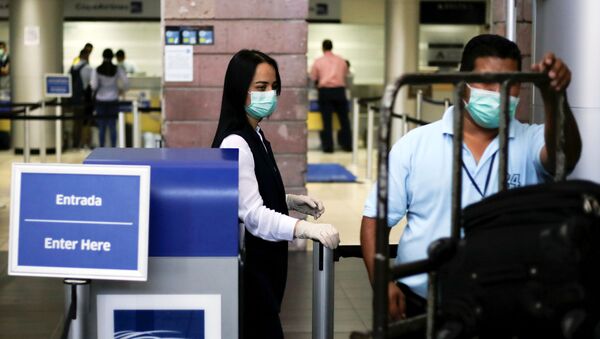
(57, 85)
(31, 36)
(452, 12)
(79, 221)
(179, 63)
(189, 35)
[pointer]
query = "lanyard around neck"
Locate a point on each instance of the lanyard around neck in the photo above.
(487, 179)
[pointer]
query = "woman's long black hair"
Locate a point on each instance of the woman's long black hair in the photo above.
(107, 68)
(238, 77)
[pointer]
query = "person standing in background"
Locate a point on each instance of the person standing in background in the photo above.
(329, 72)
(125, 65)
(4, 67)
(107, 81)
(88, 47)
(81, 74)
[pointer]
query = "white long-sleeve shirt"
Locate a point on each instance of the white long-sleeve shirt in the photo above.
(108, 88)
(259, 220)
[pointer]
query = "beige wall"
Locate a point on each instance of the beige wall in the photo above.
(141, 42)
(371, 12)
(360, 44)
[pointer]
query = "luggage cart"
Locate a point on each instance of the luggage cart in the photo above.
(443, 249)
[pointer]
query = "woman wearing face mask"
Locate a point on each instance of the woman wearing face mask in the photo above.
(252, 86)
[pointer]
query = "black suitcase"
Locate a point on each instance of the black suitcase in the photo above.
(527, 267)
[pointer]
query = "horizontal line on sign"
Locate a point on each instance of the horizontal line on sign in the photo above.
(80, 222)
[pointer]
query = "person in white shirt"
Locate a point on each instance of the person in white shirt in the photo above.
(128, 67)
(252, 85)
(107, 82)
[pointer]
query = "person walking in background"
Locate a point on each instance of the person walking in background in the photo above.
(107, 81)
(125, 65)
(329, 72)
(252, 85)
(81, 74)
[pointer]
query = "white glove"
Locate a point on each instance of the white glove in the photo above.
(305, 204)
(326, 234)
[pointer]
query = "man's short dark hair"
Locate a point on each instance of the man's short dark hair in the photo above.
(327, 45)
(2, 43)
(489, 45)
(120, 54)
(84, 53)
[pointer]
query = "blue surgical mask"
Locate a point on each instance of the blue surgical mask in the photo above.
(262, 104)
(484, 107)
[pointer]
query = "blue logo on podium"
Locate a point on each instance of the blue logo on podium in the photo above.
(156, 324)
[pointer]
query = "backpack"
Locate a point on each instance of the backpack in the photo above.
(528, 265)
(81, 93)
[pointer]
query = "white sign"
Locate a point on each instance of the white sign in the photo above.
(79, 221)
(32, 36)
(179, 63)
(178, 315)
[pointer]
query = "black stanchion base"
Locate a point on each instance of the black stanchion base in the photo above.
(35, 151)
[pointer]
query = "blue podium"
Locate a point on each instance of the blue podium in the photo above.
(193, 265)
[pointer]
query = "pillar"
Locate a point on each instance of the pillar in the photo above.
(275, 27)
(524, 37)
(569, 29)
(31, 57)
(401, 50)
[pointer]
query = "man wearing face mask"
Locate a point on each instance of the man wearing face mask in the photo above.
(421, 162)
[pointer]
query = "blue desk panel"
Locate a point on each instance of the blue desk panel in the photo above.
(193, 198)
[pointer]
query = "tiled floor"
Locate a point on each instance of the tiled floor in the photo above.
(33, 307)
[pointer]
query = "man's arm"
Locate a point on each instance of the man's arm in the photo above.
(5, 70)
(368, 227)
(396, 302)
(560, 77)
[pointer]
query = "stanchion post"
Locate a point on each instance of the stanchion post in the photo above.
(370, 123)
(323, 278)
(121, 135)
(76, 312)
(26, 149)
(136, 124)
(355, 122)
(42, 124)
(58, 126)
(419, 104)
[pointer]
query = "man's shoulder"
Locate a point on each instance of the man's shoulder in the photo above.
(419, 136)
(426, 131)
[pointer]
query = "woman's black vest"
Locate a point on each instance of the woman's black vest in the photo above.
(265, 266)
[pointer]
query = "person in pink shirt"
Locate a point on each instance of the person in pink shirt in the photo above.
(329, 72)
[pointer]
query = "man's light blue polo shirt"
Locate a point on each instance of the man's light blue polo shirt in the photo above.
(420, 182)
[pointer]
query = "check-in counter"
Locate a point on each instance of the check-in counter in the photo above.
(193, 265)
